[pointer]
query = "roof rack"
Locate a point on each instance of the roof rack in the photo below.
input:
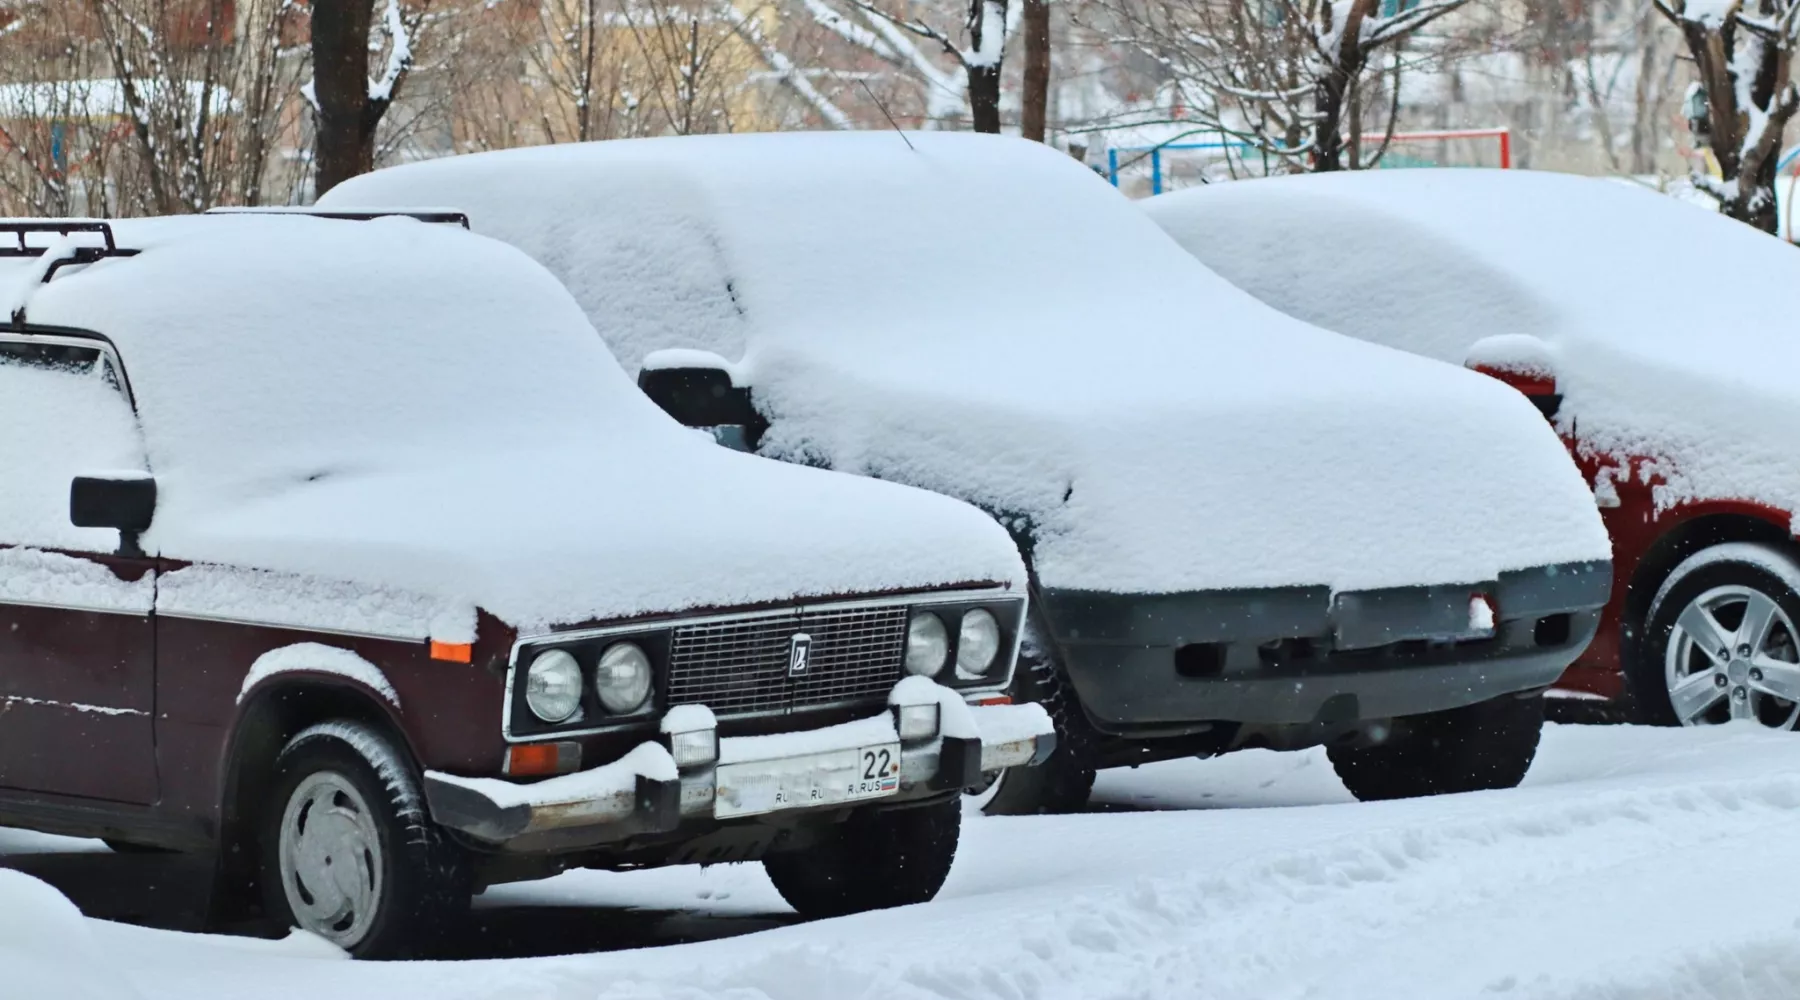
(441, 216)
(20, 228)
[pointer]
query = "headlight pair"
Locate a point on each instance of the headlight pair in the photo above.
(553, 682)
(977, 644)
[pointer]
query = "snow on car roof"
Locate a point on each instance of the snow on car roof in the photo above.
(416, 407)
(1663, 319)
(984, 317)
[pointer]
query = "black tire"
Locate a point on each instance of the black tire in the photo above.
(418, 880)
(1484, 746)
(1745, 566)
(871, 861)
(1063, 783)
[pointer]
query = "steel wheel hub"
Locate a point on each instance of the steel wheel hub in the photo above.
(1733, 655)
(330, 856)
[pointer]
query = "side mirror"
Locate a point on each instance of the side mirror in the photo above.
(123, 501)
(699, 389)
(1523, 362)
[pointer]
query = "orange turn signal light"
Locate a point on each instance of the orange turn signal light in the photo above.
(526, 760)
(998, 699)
(453, 652)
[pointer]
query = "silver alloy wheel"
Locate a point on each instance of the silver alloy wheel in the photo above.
(1732, 655)
(330, 855)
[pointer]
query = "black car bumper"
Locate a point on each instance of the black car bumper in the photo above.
(1297, 655)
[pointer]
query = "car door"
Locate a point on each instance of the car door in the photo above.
(77, 665)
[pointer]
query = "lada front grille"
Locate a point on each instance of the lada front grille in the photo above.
(741, 666)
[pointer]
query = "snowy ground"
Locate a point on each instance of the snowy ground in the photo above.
(1634, 865)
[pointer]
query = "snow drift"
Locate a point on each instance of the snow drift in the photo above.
(46, 948)
(1664, 322)
(425, 414)
(983, 317)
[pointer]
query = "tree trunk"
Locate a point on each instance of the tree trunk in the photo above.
(1328, 130)
(1747, 163)
(1035, 102)
(987, 48)
(1339, 75)
(344, 141)
(984, 98)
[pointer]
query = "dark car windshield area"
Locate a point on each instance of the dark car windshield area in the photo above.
(72, 359)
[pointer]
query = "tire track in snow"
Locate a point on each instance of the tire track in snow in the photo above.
(1358, 917)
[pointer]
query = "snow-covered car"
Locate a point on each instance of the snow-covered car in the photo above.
(1642, 326)
(347, 550)
(1265, 534)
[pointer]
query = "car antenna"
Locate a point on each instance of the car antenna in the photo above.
(884, 114)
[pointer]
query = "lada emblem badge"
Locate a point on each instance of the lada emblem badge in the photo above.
(799, 654)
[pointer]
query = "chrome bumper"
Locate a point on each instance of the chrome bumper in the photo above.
(648, 791)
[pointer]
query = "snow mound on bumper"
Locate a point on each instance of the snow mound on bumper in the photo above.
(46, 949)
(923, 315)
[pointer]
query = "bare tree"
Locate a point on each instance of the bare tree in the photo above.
(783, 70)
(123, 106)
(1295, 78)
(691, 62)
(1743, 61)
(348, 104)
(958, 80)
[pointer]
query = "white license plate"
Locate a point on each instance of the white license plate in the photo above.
(819, 779)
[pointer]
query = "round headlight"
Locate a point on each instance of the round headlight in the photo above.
(623, 679)
(977, 645)
(553, 686)
(927, 643)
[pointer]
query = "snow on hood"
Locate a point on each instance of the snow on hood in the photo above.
(984, 317)
(1665, 323)
(415, 407)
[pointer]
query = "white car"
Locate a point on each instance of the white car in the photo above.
(1655, 335)
(1242, 530)
(345, 550)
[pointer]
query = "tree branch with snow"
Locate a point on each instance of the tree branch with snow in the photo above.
(1742, 55)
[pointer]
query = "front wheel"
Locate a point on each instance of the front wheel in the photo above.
(872, 861)
(1483, 746)
(1720, 642)
(1062, 783)
(348, 853)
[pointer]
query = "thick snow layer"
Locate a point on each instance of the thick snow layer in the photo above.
(312, 602)
(957, 718)
(1656, 315)
(1009, 723)
(315, 657)
(48, 950)
(1633, 865)
(619, 778)
(424, 411)
(923, 315)
(869, 732)
(1519, 353)
(30, 576)
(688, 719)
(67, 423)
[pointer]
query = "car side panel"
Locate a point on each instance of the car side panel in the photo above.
(448, 713)
(1635, 525)
(77, 703)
